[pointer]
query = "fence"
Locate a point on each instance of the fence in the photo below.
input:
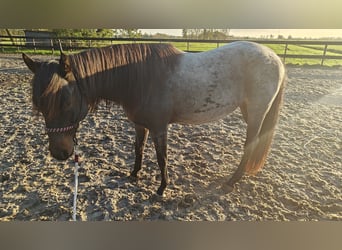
(323, 52)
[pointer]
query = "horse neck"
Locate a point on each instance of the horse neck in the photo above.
(112, 85)
(125, 74)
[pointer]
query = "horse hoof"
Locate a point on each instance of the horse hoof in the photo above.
(160, 191)
(133, 178)
(134, 174)
(157, 197)
(227, 188)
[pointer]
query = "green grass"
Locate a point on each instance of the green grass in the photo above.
(197, 47)
(12, 50)
(279, 49)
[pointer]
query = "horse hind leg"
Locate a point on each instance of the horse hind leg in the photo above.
(260, 131)
(251, 143)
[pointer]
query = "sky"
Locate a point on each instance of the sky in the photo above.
(259, 33)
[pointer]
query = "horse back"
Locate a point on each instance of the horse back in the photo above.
(207, 86)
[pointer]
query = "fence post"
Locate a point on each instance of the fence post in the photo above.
(284, 59)
(34, 44)
(52, 48)
(324, 53)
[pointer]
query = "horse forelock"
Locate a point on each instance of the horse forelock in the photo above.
(46, 94)
(124, 68)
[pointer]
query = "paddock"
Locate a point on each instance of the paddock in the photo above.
(300, 181)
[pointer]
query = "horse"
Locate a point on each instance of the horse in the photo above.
(157, 85)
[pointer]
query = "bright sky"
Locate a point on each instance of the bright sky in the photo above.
(295, 33)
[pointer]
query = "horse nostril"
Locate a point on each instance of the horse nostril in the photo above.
(65, 155)
(61, 155)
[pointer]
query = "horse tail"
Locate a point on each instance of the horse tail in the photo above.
(261, 149)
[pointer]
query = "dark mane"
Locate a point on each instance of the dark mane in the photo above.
(128, 70)
(46, 90)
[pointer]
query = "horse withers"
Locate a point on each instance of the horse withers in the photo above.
(157, 84)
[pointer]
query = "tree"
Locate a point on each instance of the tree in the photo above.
(84, 32)
(206, 33)
(129, 33)
(13, 32)
(225, 32)
(185, 33)
(109, 33)
(10, 35)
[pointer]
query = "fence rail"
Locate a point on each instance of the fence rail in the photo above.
(77, 43)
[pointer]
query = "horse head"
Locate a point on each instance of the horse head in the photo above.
(56, 94)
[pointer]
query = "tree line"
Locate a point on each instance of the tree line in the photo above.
(206, 34)
(105, 33)
(127, 33)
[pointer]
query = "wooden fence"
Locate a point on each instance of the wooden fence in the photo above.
(76, 43)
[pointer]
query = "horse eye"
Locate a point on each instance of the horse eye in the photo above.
(66, 103)
(66, 98)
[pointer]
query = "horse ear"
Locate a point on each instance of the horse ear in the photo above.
(64, 63)
(30, 63)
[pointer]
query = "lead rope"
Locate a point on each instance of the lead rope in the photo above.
(76, 160)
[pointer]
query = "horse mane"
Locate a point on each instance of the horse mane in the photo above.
(127, 70)
(46, 90)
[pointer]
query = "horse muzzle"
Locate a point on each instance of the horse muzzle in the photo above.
(61, 155)
(61, 148)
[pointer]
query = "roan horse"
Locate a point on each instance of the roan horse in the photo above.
(157, 84)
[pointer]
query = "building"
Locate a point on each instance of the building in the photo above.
(39, 38)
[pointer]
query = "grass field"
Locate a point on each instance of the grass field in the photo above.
(198, 46)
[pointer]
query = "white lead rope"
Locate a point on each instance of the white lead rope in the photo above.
(74, 212)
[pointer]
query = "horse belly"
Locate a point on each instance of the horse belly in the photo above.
(204, 107)
(205, 115)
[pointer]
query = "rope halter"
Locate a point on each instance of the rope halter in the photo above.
(60, 130)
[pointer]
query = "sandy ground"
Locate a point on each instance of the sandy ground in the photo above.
(300, 181)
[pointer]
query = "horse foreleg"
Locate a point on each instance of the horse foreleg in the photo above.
(160, 143)
(140, 141)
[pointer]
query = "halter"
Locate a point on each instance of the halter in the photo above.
(61, 130)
